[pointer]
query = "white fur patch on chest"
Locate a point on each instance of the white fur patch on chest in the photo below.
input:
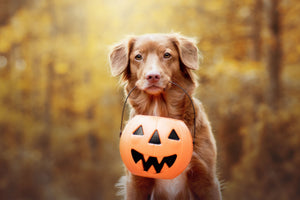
(171, 187)
(155, 110)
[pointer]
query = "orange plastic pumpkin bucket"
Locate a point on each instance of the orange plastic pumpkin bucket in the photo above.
(156, 147)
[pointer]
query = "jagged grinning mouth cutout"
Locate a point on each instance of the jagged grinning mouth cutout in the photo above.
(152, 161)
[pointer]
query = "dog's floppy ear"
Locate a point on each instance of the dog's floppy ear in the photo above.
(188, 51)
(119, 58)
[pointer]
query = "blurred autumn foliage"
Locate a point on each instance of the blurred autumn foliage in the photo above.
(60, 107)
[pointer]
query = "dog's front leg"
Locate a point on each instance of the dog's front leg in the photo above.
(202, 180)
(139, 188)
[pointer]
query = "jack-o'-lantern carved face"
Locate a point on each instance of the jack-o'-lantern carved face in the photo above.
(156, 147)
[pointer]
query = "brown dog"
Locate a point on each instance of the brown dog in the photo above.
(150, 62)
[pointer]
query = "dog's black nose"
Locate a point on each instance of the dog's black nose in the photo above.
(153, 77)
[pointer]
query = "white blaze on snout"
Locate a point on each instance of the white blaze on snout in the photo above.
(152, 65)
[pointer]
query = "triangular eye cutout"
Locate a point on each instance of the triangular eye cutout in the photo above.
(155, 138)
(139, 131)
(173, 135)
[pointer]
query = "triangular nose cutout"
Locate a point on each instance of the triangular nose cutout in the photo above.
(173, 135)
(155, 138)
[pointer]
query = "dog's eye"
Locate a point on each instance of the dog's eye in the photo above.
(138, 57)
(167, 55)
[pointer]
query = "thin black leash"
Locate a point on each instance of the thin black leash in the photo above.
(123, 110)
(124, 105)
(191, 103)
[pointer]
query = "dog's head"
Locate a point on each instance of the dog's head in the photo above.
(151, 61)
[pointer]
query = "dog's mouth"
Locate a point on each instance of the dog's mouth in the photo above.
(152, 161)
(154, 89)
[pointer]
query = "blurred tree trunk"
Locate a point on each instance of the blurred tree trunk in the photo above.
(274, 53)
(45, 174)
(255, 51)
(48, 106)
(49, 91)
